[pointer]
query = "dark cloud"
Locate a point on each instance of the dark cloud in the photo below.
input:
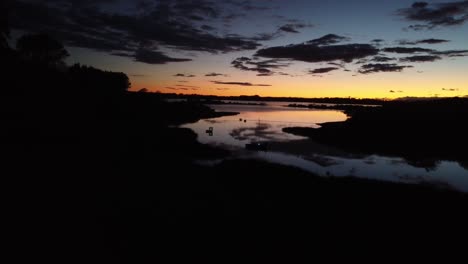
(421, 58)
(432, 41)
(419, 4)
(240, 83)
(407, 50)
(323, 70)
(382, 59)
(382, 67)
(293, 27)
(197, 8)
(423, 41)
(187, 86)
(248, 5)
(179, 88)
(392, 91)
(288, 28)
(138, 75)
(155, 57)
(265, 36)
(377, 42)
(452, 53)
(263, 67)
(327, 40)
(207, 28)
(170, 24)
(309, 52)
(375, 59)
(418, 27)
(341, 65)
(436, 15)
(184, 75)
(214, 74)
(450, 89)
(244, 6)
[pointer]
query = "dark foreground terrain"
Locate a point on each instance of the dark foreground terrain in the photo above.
(129, 192)
(98, 175)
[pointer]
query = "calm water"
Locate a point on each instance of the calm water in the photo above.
(265, 123)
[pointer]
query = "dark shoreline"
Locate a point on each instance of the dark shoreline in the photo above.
(421, 132)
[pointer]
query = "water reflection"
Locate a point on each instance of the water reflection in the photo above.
(265, 123)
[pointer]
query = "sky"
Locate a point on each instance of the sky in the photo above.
(293, 48)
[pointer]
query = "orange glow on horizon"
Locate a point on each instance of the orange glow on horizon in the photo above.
(411, 83)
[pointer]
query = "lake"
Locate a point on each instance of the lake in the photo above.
(257, 123)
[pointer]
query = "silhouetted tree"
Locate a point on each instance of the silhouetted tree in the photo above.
(99, 81)
(143, 90)
(42, 49)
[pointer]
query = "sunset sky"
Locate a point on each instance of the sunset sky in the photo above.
(297, 48)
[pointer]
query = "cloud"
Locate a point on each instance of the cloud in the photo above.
(184, 75)
(248, 5)
(262, 67)
(323, 70)
(436, 15)
(450, 89)
(452, 53)
(207, 28)
(293, 27)
(423, 41)
(382, 59)
(196, 8)
(287, 28)
(327, 40)
(406, 50)
(392, 91)
(187, 86)
(316, 51)
(240, 83)
(171, 24)
(432, 41)
(417, 27)
(174, 88)
(155, 57)
(377, 42)
(214, 74)
(422, 58)
(382, 67)
(138, 75)
(341, 65)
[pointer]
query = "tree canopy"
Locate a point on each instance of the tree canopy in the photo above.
(42, 49)
(98, 80)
